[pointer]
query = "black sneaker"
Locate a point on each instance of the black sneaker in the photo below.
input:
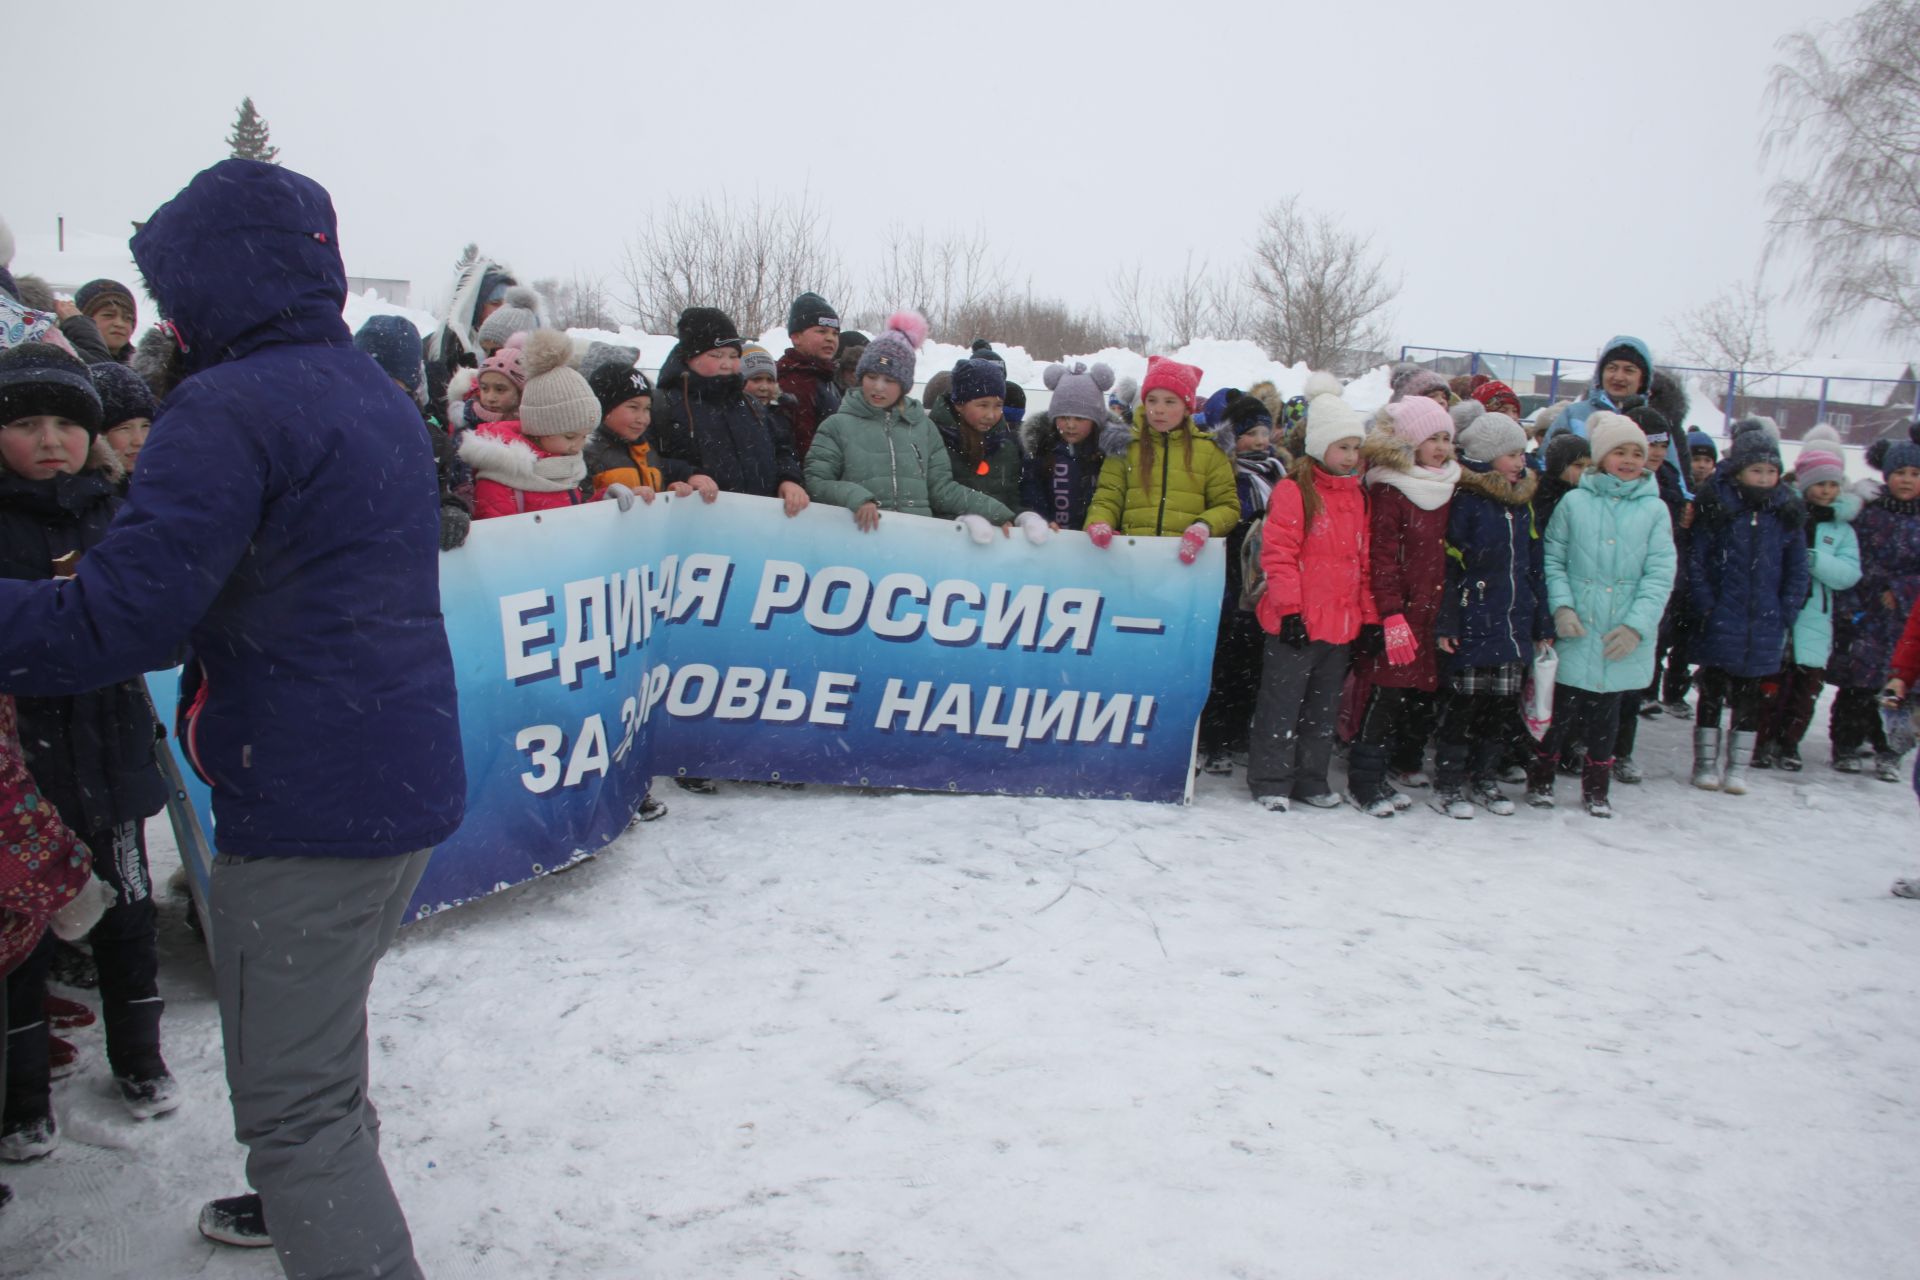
(236, 1220)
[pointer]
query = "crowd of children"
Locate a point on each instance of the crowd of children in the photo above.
(1398, 583)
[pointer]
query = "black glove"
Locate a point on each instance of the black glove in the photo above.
(454, 523)
(1371, 642)
(1293, 630)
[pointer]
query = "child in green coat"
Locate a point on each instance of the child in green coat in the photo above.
(1610, 565)
(881, 452)
(1172, 479)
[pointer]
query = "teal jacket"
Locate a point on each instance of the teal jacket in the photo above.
(894, 457)
(1610, 558)
(1834, 562)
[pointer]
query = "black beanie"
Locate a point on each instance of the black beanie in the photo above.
(124, 394)
(1248, 413)
(983, 350)
(1565, 450)
(853, 338)
(810, 309)
(704, 329)
(1652, 423)
(613, 385)
(39, 380)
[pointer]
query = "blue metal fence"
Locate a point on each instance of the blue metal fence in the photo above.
(1860, 409)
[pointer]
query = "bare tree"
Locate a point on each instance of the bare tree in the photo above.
(749, 260)
(1232, 310)
(1182, 302)
(957, 282)
(1132, 307)
(1321, 292)
(1729, 331)
(1845, 137)
(579, 303)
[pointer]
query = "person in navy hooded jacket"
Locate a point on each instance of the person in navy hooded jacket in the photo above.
(286, 526)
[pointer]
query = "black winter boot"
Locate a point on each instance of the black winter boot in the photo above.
(1595, 781)
(1367, 788)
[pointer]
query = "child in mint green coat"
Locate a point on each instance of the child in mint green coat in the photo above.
(1610, 566)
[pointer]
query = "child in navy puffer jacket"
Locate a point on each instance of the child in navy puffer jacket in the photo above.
(1493, 616)
(1747, 582)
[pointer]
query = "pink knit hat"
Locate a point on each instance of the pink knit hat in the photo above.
(1417, 419)
(1170, 375)
(506, 362)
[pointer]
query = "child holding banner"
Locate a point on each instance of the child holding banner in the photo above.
(1314, 553)
(882, 453)
(1155, 490)
(535, 463)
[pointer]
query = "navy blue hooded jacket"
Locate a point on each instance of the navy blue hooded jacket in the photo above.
(1495, 603)
(285, 522)
(1748, 577)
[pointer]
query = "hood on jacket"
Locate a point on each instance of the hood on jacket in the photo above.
(1596, 481)
(708, 389)
(1383, 447)
(1721, 499)
(1594, 391)
(1039, 437)
(246, 256)
(477, 279)
(1481, 478)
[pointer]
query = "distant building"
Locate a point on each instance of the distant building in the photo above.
(397, 292)
(1861, 408)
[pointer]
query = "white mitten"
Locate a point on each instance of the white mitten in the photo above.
(976, 527)
(621, 495)
(1033, 526)
(76, 920)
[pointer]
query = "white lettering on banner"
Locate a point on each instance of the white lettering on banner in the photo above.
(542, 743)
(957, 612)
(589, 640)
(704, 576)
(1031, 715)
(520, 632)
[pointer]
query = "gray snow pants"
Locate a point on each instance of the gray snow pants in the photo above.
(295, 944)
(1294, 719)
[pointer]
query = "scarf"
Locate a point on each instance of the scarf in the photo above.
(1424, 487)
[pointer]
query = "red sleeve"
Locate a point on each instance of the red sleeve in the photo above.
(491, 498)
(1906, 654)
(1280, 556)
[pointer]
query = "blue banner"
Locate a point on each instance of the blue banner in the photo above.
(594, 648)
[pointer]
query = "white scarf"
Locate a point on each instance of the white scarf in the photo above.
(1425, 487)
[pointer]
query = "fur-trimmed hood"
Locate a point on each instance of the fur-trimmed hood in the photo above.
(500, 453)
(1482, 479)
(1389, 460)
(1039, 437)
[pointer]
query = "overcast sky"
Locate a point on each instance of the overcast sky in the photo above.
(1542, 176)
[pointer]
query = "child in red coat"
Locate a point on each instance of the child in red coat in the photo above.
(1314, 556)
(1410, 479)
(535, 463)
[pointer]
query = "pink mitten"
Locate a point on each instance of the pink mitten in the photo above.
(1192, 540)
(1401, 646)
(1101, 535)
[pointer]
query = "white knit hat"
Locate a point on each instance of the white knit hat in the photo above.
(1330, 419)
(1608, 431)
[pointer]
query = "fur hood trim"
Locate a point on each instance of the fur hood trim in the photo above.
(1490, 484)
(101, 458)
(511, 461)
(1384, 448)
(157, 358)
(1390, 462)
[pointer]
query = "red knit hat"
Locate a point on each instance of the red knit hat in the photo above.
(1496, 395)
(1170, 375)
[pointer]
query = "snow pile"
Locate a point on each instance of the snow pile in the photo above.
(995, 1037)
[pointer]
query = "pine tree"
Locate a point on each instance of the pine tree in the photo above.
(250, 139)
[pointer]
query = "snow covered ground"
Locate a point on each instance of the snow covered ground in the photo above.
(826, 1034)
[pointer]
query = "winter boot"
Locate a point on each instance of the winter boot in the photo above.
(236, 1220)
(1217, 763)
(1540, 781)
(1739, 755)
(67, 1015)
(1273, 804)
(1763, 754)
(1788, 758)
(1679, 709)
(698, 786)
(1625, 770)
(28, 1138)
(1485, 790)
(1886, 767)
(1594, 781)
(1706, 758)
(650, 810)
(1450, 786)
(1367, 788)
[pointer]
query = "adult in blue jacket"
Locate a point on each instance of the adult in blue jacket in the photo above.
(1623, 371)
(286, 525)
